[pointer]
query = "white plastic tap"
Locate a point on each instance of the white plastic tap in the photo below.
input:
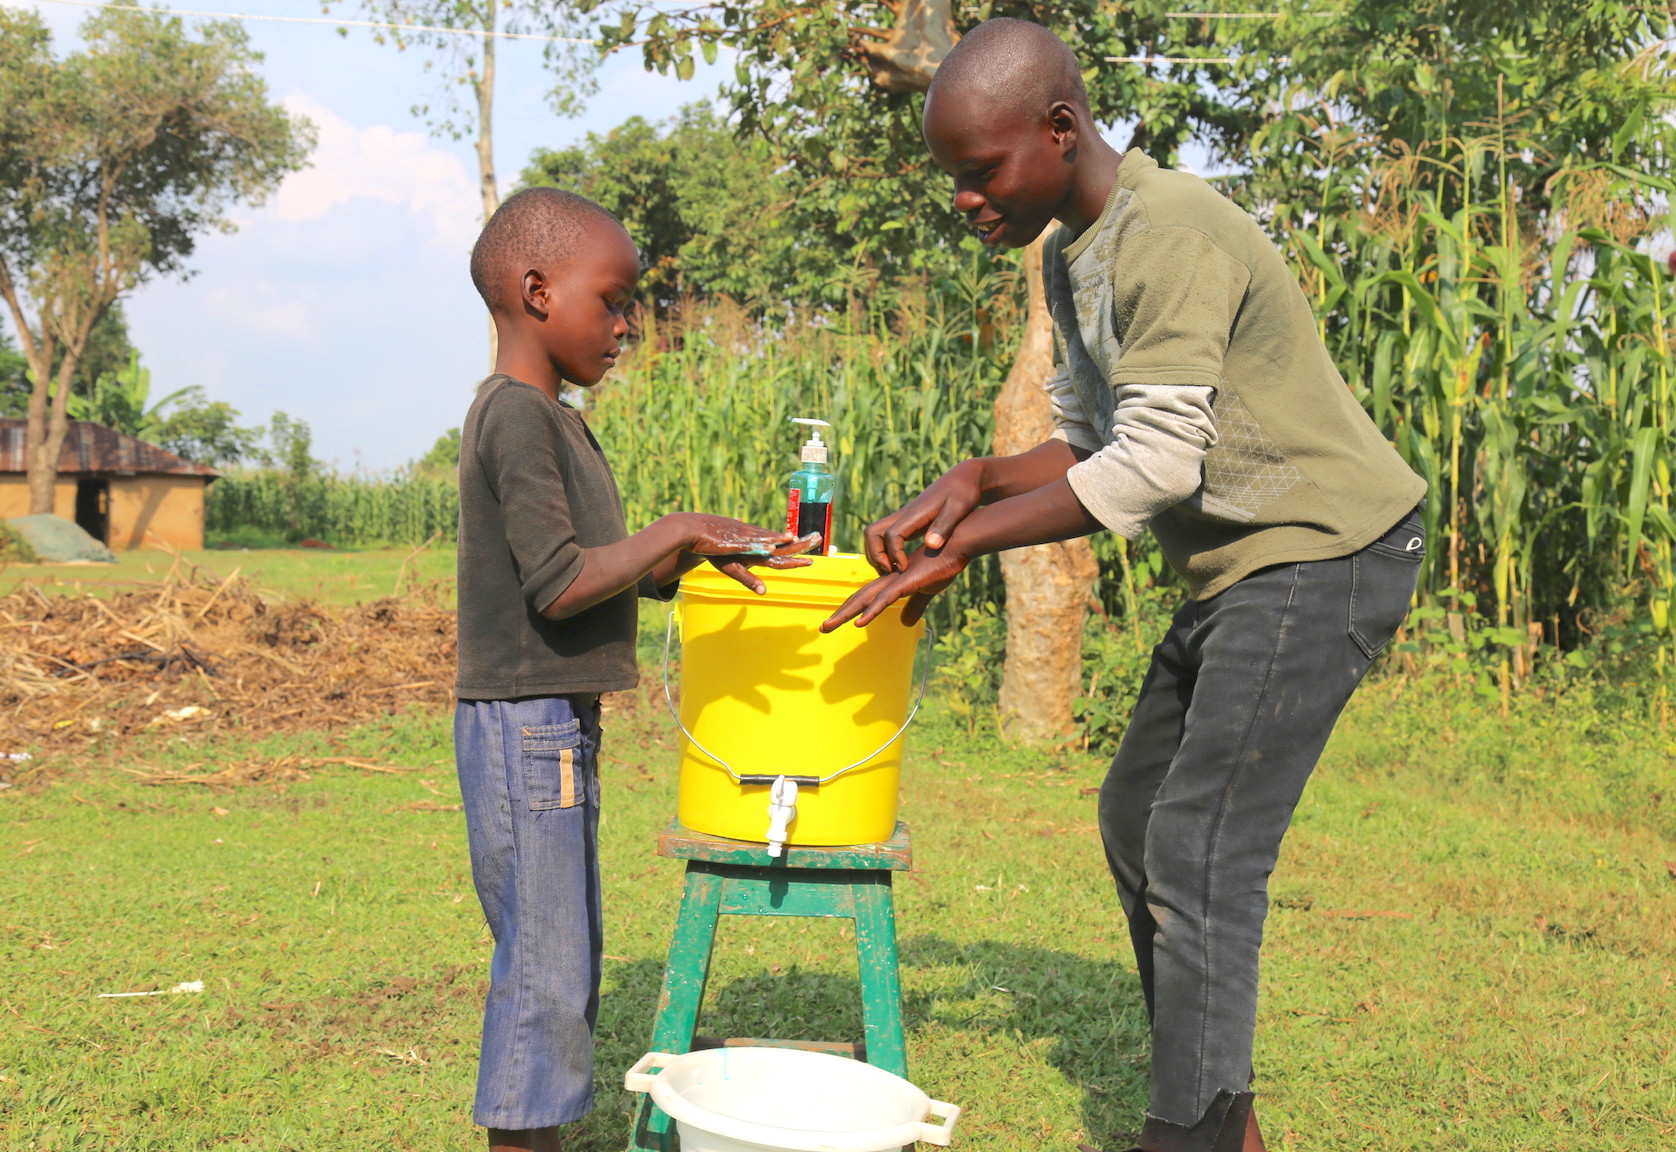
(782, 810)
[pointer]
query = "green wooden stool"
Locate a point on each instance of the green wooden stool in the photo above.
(738, 878)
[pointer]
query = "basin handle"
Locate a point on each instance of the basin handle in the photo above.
(638, 1079)
(940, 1133)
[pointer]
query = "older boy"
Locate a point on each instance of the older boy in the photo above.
(548, 575)
(1193, 397)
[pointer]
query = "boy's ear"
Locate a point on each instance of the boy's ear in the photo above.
(532, 290)
(1066, 124)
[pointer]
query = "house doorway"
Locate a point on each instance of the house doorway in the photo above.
(93, 509)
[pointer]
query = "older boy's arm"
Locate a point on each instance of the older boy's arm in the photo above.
(1041, 515)
(963, 488)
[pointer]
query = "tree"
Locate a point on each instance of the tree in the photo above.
(838, 100)
(461, 37)
(1349, 83)
(443, 459)
(122, 400)
(207, 432)
(196, 429)
(113, 161)
(705, 205)
(107, 350)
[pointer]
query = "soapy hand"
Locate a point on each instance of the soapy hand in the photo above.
(926, 573)
(733, 546)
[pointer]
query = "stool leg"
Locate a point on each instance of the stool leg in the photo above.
(684, 978)
(881, 986)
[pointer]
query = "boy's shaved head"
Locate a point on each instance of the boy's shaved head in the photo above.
(1015, 61)
(534, 228)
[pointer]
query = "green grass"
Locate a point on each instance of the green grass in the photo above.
(338, 576)
(1473, 944)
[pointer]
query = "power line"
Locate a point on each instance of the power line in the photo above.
(478, 32)
(1185, 59)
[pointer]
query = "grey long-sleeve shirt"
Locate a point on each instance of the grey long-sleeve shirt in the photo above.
(535, 491)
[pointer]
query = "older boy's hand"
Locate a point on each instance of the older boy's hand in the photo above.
(926, 573)
(936, 512)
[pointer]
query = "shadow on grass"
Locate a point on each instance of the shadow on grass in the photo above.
(1090, 1013)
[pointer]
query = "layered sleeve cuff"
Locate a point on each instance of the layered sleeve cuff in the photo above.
(1154, 461)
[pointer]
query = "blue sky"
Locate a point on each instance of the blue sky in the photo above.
(344, 299)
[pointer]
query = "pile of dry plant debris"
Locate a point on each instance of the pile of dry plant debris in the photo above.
(202, 654)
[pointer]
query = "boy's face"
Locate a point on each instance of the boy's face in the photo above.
(1012, 171)
(587, 305)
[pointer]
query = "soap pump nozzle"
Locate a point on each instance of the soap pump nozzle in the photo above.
(814, 449)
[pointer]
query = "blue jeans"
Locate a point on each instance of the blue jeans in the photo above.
(1234, 712)
(529, 778)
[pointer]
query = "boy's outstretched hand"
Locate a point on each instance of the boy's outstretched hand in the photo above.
(734, 547)
(926, 573)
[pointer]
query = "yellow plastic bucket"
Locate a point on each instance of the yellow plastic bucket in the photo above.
(764, 695)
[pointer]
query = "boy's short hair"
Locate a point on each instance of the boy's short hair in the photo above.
(1016, 59)
(533, 227)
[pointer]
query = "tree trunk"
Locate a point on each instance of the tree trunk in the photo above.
(485, 92)
(1048, 585)
(49, 423)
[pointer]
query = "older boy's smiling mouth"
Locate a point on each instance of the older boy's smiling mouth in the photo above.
(988, 228)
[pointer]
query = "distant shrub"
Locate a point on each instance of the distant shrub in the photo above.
(14, 549)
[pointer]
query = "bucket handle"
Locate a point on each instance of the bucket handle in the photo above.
(805, 781)
(940, 1133)
(638, 1079)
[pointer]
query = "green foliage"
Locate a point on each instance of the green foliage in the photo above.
(707, 207)
(809, 85)
(443, 460)
(1525, 373)
(1575, 89)
(122, 400)
(14, 548)
(275, 504)
(292, 446)
(1454, 887)
(107, 351)
(207, 432)
(697, 416)
(113, 161)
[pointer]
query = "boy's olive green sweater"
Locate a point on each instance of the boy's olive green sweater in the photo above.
(1190, 365)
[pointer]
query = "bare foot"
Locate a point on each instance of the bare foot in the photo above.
(1253, 1135)
(526, 1140)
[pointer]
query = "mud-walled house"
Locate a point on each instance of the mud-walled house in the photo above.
(122, 491)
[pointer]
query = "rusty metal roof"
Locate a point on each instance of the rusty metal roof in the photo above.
(93, 449)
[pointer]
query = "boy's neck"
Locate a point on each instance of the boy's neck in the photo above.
(1096, 174)
(526, 365)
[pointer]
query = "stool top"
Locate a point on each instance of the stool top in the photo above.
(682, 843)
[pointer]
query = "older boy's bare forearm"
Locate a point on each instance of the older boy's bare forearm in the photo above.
(1007, 477)
(1044, 514)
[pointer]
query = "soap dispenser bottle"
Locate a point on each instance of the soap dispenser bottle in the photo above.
(809, 496)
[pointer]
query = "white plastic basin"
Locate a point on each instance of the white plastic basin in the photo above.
(786, 1100)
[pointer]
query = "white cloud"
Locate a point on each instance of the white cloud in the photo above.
(383, 165)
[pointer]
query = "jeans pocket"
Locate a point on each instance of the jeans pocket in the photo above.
(1381, 589)
(553, 774)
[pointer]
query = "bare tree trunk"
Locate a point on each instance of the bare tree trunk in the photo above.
(49, 423)
(485, 91)
(1048, 585)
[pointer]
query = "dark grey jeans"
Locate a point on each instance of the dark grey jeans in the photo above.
(1234, 712)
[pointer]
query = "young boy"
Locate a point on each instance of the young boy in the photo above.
(1192, 396)
(548, 576)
